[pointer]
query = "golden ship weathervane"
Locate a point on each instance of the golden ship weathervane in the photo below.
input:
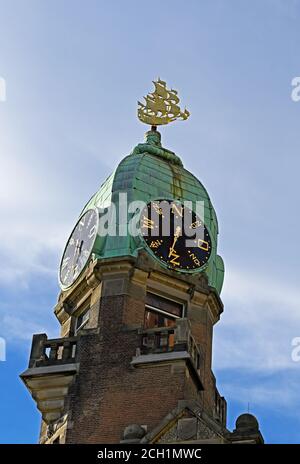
(161, 106)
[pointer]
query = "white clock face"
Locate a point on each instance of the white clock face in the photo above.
(79, 248)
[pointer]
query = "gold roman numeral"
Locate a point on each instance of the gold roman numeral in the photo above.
(203, 244)
(177, 208)
(194, 259)
(147, 223)
(155, 243)
(196, 224)
(174, 257)
(158, 209)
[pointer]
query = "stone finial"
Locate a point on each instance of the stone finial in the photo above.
(247, 423)
(133, 433)
(247, 430)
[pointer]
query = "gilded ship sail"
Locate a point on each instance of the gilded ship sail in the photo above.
(161, 106)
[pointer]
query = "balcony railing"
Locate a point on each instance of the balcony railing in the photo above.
(52, 367)
(52, 352)
(172, 339)
(157, 340)
(220, 408)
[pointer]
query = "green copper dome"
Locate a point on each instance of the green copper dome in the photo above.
(150, 173)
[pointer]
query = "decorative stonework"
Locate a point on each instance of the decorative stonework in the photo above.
(204, 432)
(170, 436)
(186, 429)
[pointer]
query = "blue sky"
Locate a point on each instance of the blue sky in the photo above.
(74, 72)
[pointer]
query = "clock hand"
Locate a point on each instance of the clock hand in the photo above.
(80, 247)
(78, 253)
(176, 235)
(177, 232)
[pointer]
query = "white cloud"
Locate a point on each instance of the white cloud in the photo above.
(260, 319)
(41, 194)
(275, 392)
(253, 342)
(18, 329)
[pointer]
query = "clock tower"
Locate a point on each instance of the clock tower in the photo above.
(140, 281)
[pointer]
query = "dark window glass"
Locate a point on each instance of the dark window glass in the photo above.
(169, 306)
(156, 319)
(82, 319)
(161, 312)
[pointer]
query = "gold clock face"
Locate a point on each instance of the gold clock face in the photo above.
(176, 235)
